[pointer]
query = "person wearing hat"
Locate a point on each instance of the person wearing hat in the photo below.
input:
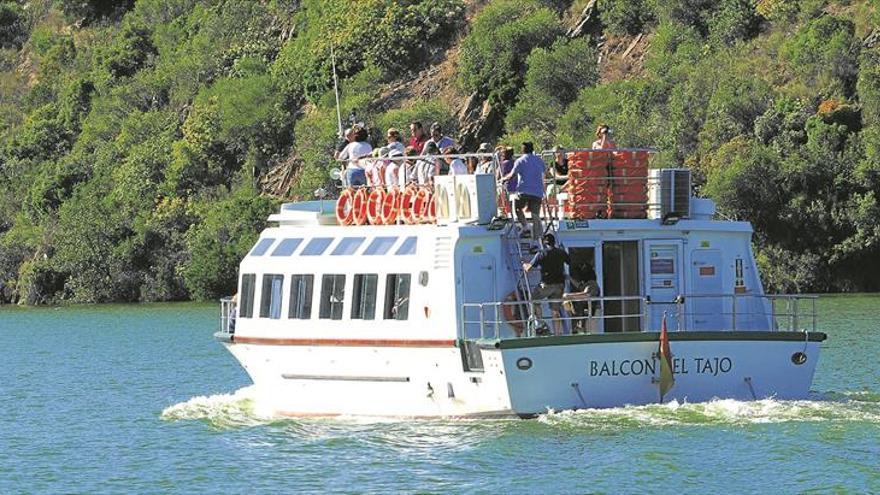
(438, 138)
(485, 165)
(529, 171)
(552, 260)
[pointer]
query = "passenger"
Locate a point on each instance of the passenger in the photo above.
(486, 163)
(343, 141)
(456, 165)
(375, 168)
(506, 154)
(408, 173)
(472, 164)
(393, 137)
(552, 260)
(428, 167)
(579, 302)
(603, 141)
(417, 138)
(357, 149)
(438, 138)
(529, 170)
(393, 167)
(559, 176)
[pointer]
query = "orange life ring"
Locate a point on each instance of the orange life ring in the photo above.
(407, 205)
(344, 210)
(359, 207)
(374, 206)
(420, 204)
(391, 206)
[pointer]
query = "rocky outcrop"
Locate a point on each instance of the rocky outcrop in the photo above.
(478, 122)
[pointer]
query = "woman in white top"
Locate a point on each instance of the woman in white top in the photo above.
(456, 165)
(392, 167)
(357, 149)
(393, 136)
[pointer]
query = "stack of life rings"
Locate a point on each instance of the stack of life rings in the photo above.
(386, 206)
(607, 184)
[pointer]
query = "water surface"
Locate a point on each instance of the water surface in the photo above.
(122, 399)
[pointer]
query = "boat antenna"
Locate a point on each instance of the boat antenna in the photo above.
(336, 91)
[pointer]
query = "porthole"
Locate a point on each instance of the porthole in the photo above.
(799, 358)
(523, 363)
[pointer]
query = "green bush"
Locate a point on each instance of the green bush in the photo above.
(868, 86)
(822, 52)
(553, 81)
(13, 25)
(502, 36)
(626, 16)
(396, 37)
(226, 231)
(733, 21)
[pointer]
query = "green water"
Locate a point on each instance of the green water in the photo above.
(140, 399)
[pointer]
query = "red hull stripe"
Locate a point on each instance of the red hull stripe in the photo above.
(344, 342)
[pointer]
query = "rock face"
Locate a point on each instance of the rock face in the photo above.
(478, 121)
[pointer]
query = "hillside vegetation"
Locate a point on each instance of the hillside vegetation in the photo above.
(143, 143)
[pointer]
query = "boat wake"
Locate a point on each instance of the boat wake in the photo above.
(241, 408)
(832, 406)
(248, 407)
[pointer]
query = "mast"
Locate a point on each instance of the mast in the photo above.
(336, 91)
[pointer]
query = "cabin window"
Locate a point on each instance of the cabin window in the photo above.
(397, 296)
(286, 247)
(363, 297)
(380, 246)
(316, 246)
(270, 299)
(262, 246)
(300, 307)
(246, 300)
(739, 280)
(347, 246)
(332, 297)
(408, 246)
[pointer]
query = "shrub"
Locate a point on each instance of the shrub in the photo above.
(626, 16)
(13, 25)
(823, 53)
(501, 37)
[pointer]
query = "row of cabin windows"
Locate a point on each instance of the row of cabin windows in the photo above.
(332, 296)
(346, 246)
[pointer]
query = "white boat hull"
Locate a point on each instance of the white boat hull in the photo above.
(525, 377)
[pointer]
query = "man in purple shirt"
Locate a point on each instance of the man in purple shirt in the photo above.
(529, 171)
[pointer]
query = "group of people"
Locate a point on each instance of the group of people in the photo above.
(397, 164)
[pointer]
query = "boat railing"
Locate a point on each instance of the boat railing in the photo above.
(496, 319)
(786, 312)
(725, 312)
(227, 315)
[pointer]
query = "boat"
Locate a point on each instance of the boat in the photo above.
(430, 314)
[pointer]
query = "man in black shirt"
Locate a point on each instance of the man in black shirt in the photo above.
(552, 261)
